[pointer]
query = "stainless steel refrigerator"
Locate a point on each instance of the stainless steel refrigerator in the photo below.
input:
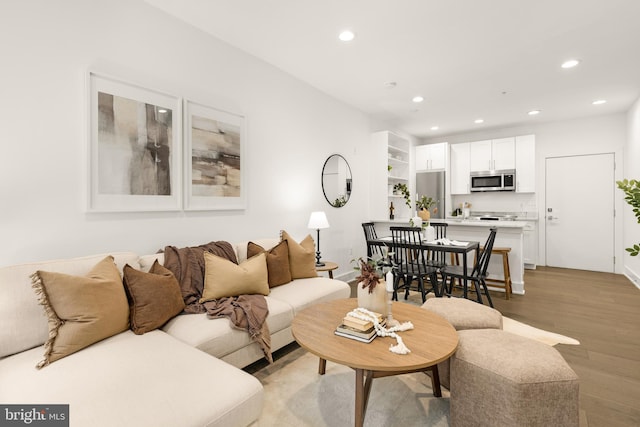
(431, 184)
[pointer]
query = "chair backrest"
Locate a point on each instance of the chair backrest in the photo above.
(370, 234)
(438, 257)
(483, 262)
(441, 229)
(408, 257)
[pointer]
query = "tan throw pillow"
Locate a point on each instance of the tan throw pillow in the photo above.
(82, 310)
(154, 297)
(302, 257)
(223, 278)
(277, 262)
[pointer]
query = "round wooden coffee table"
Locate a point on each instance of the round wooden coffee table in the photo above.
(432, 340)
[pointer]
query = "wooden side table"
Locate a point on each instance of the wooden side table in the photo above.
(328, 266)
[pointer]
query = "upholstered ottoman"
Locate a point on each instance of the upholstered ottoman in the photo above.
(465, 314)
(502, 379)
(462, 314)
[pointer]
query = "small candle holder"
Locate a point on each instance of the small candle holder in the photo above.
(391, 322)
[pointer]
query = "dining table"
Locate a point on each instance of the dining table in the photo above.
(462, 248)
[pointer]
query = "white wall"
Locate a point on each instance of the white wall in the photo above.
(591, 135)
(632, 171)
(292, 128)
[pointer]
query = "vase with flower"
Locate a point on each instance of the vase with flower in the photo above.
(372, 292)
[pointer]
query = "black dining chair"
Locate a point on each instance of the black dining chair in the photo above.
(410, 262)
(369, 236)
(477, 275)
(437, 258)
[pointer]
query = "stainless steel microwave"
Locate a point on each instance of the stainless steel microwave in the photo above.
(504, 180)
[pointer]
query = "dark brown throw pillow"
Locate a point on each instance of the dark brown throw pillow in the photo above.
(277, 262)
(154, 297)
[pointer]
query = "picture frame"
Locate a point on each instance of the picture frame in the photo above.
(135, 147)
(214, 159)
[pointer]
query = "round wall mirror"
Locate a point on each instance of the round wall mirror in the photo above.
(336, 180)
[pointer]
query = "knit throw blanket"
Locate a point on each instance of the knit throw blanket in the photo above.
(246, 312)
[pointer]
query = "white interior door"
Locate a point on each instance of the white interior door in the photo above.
(579, 212)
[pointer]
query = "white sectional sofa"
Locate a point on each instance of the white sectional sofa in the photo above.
(186, 374)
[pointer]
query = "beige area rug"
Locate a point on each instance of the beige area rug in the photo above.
(549, 338)
(295, 395)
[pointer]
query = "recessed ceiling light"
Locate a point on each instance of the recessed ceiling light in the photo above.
(533, 112)
(434, 128)
(599, 102)
(162, 110)
(417, 99)
(570, 63)
(478, 121)
(346, 36)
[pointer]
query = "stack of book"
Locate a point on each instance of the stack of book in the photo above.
(358, 329)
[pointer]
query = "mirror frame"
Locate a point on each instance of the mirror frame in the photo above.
(348, 183)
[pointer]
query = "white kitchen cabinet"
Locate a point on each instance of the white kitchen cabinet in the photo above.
(530, 244)
(496, 154)
(526, 164)
(390, 164)
(431, 157)
(460, 168)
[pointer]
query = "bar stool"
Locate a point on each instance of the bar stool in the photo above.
(506, 282)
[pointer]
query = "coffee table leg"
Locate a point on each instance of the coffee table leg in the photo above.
(363, 388)
(322, 366)
(435, 381)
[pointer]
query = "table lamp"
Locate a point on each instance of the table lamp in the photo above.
(318, 220)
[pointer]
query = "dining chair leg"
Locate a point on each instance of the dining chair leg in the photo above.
(476, 285)
(396, 285)
(421, 288)
(486, 292)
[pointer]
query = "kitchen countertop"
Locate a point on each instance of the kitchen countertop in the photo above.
(461, 222)
(480, 223)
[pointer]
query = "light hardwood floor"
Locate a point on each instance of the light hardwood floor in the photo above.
(602, 311)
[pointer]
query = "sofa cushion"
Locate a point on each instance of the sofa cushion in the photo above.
(277, 262)
(223, 278)
(218, 337)
(82, 310)
(267, 243)
(136, 380)
(24, 324)
(154, 297)
(146, 261)
(302, 293)
(302, 259)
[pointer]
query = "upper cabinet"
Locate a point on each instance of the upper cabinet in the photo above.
(526, 164)
(431, 157)
(460, 168)
(496, 154)
(390, 165)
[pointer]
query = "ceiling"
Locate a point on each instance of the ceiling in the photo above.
(470, 59)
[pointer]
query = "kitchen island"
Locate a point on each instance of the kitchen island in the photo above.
(510, 234)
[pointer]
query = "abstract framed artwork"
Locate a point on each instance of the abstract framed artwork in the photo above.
(135, 150)
(214, 172)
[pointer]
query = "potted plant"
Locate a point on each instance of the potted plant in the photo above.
(401, 188)
(423, 204)
(372, 292)
(631, 190)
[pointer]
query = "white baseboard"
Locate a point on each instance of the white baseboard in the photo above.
(631, 275)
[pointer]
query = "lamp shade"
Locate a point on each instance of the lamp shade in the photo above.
(318, 220)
